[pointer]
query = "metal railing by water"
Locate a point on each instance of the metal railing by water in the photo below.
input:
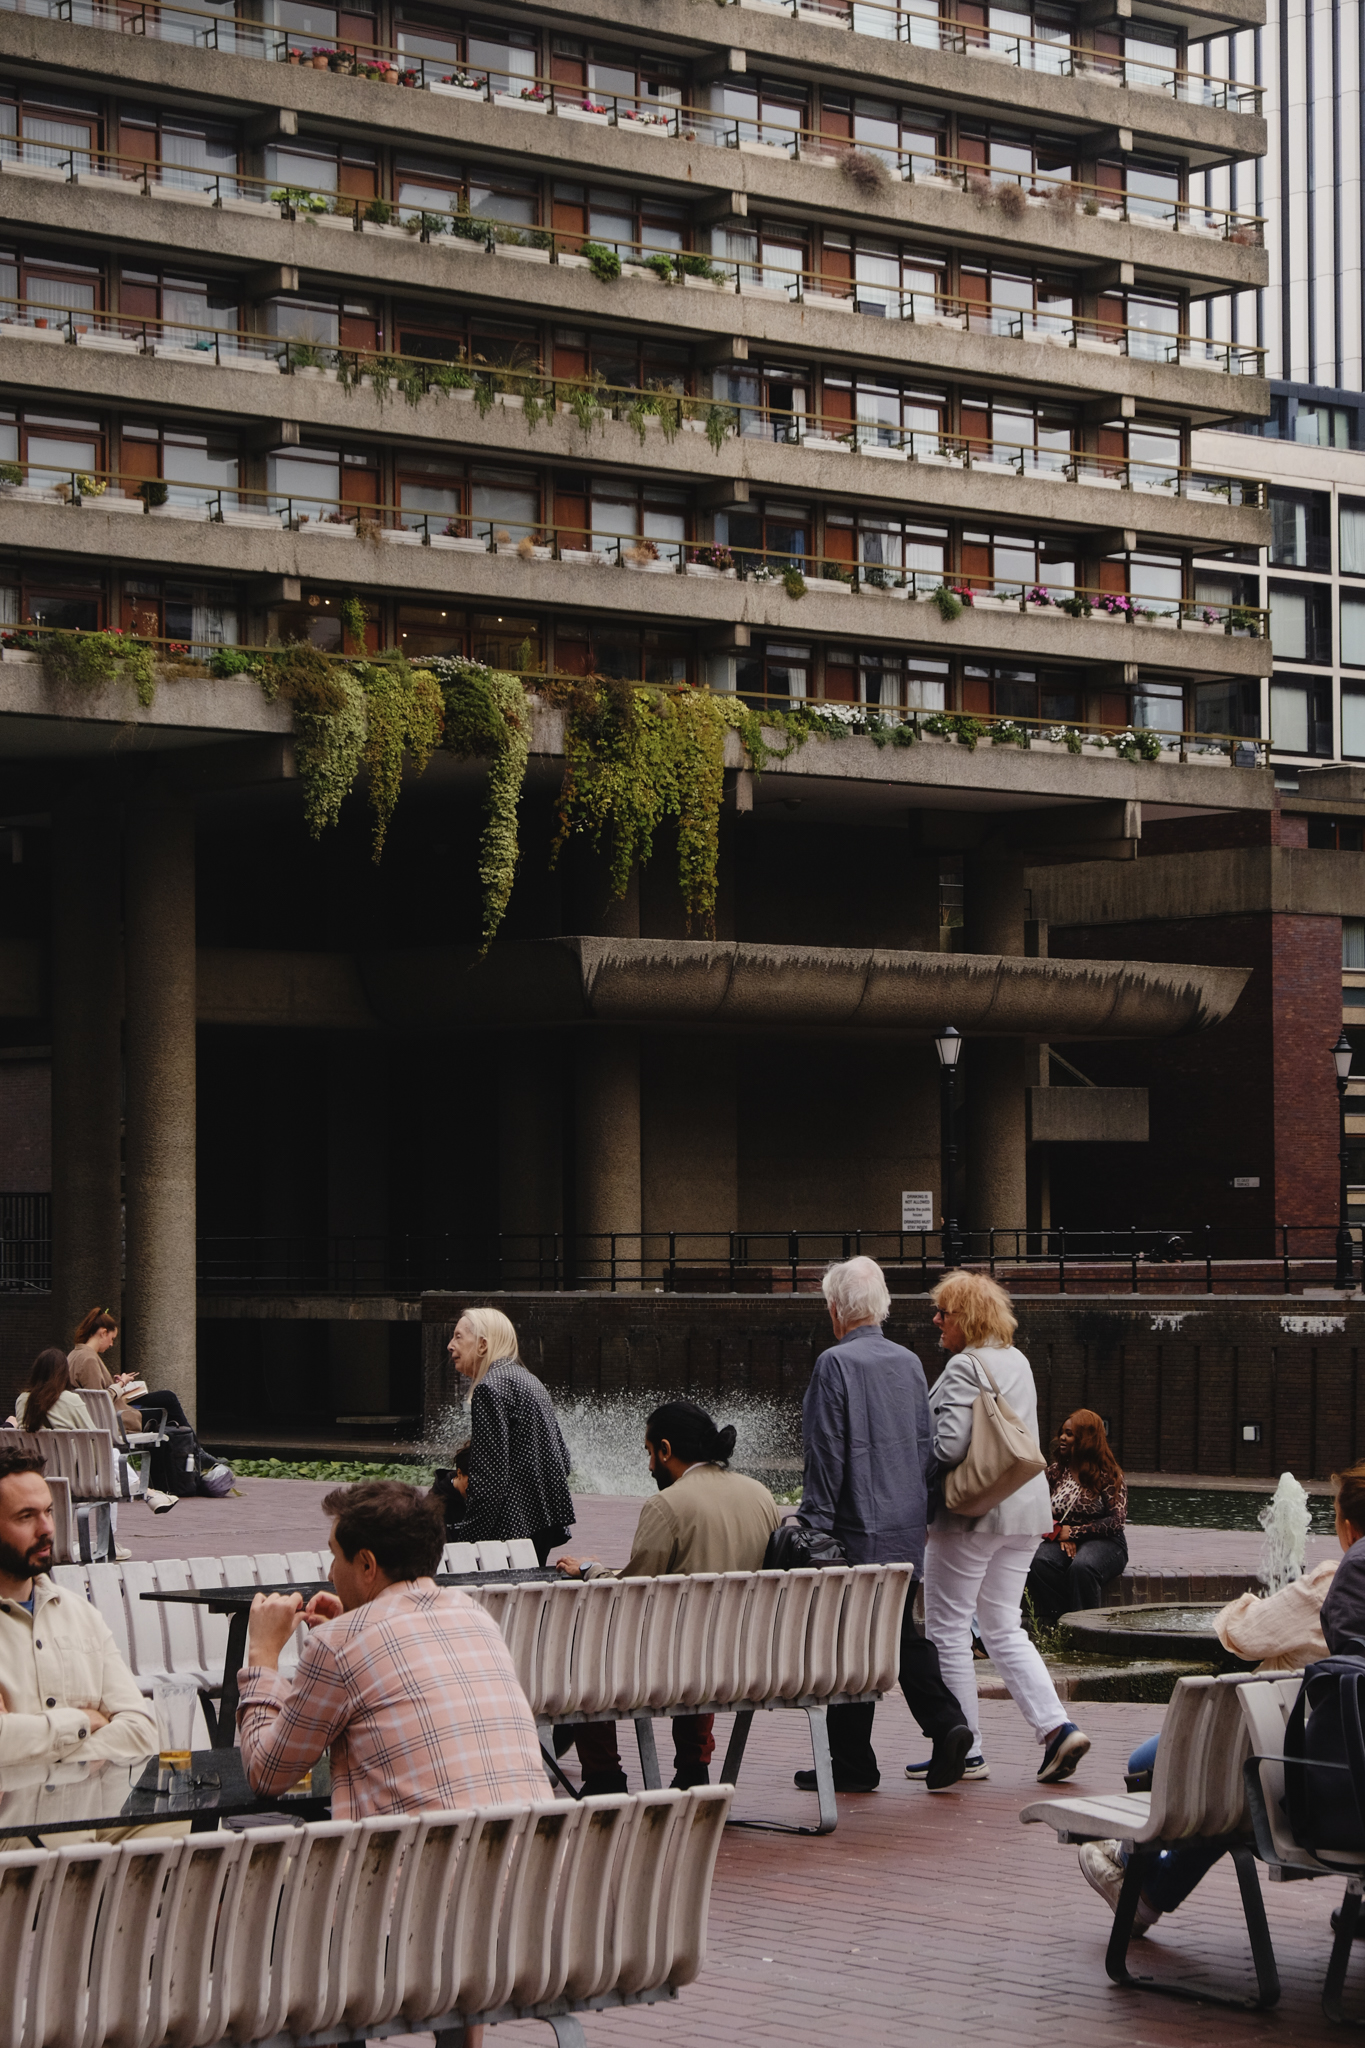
(1200, 1258)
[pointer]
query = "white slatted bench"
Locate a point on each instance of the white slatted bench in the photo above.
(712, 1642)
(86, 1458)
(1266, 1709)
(156, 1638)
(351, 1930)
(1198, 1796)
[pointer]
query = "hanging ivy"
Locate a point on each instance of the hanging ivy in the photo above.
(404, 716)
(94, 659)
(488, 718)
(330, 725)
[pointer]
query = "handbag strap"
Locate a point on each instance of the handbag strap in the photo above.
(981, 1366)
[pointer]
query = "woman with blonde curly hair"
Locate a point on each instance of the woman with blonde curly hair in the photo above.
(515, 1480)
(979, 1564)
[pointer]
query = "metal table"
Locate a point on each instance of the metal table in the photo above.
(38, 1800)
(235, 1603)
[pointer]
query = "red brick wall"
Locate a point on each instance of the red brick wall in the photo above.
(1306, 969)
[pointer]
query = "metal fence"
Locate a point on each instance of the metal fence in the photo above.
(25, 1244)
(1207, 1258)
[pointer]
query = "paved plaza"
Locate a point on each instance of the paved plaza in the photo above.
(923, 1918)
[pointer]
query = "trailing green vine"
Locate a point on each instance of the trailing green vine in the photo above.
(488, 718)
(405, 714)
(92, 660)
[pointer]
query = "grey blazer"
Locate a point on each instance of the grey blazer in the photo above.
(1026, 1513)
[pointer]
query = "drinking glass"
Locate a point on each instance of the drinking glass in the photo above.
(174, 1700)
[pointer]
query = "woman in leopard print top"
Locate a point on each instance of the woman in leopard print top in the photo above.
(1087, 1546)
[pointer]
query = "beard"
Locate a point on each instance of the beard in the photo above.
(663, 1478)
(22, 1564)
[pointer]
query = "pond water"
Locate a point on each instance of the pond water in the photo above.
(1180, 1507)
(1196, 1620)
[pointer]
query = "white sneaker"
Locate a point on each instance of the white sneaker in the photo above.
(160, 1503)
(122, 1556)
(1104, 1872)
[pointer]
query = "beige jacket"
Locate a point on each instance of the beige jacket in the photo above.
(707, 1521)
(1283, 1630)
(88, 1369)
(56, 1662)
(68, 1411)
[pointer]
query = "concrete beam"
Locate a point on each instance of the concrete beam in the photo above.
(1087, 1116)
(453, 421)
(1249, 881)
(753, 987)
(500, 579)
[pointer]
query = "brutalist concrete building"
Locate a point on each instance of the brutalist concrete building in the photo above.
(839, 352)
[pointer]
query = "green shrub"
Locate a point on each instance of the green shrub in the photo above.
(604, 263)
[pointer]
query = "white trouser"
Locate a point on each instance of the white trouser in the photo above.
(969, 1573)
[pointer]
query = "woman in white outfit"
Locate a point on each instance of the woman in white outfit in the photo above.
(978, 1565)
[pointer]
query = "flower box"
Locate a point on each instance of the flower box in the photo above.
(228, 517)
(568, 261)
(316, 371)
(514, 99)
(983, 601)
(520, 254)
(26, 655)
(825, 444)
(176, 351)
(1090, 345)
(819, 159)
(1039, 610)
(258, 207)
(765, 149)
(179, 195)
(871, 589)
(582, 114)
(988, 468)
(268, 366)
(633, 125)
(510, 401)
(638, 271)
(776, 292)
(53, 173)
(651, 568)
(24, 333)
(705, 573)
(345, 221)
(459, 92)
(707, 284)
(111, 344)
(585, 558)
(883, 454)
(108, 501)
(830, 301)
(1099, 483)
(328, 529)
(379, 227)
(829, 586)
(196, 514)
(401, 536)
(459, 544)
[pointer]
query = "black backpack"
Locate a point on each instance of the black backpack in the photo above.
(793, 1547)
(174, 1465)
(1324, 1749)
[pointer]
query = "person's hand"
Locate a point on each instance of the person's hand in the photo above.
(460, 1481)
(322, 1607)
(570, 1567)
(1069, 1549)
(274, 1617)
(96, 1719)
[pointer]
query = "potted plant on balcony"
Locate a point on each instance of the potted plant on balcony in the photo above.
(1038, 599)
(712, 562)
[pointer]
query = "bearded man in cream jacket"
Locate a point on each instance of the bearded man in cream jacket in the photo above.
(66, 1695)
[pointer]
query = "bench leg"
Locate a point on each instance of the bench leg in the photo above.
(734, 1751)
(824, 1775)
(649, 1755)
(1341, 1953)
(1253, 1906)
(568, 2030)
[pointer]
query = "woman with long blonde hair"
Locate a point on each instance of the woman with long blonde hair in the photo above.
(979, 1564)
(514, 1481)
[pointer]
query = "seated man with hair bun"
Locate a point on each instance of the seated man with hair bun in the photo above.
(409, 1684)
(706, 1519)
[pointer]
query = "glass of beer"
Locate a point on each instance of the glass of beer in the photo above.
(174, 1700)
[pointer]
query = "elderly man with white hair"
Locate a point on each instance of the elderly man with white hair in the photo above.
(868, 1444)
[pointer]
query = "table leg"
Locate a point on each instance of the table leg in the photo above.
(236, 1653)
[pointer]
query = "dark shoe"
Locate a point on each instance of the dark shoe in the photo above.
(1360, 1924)
(598, 1784)
(949, 1760)
(975, 1767)
(1062, 1754)
(804, 1781)
(695, 1774)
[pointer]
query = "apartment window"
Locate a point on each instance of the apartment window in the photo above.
(1232, 710)
(193, 156)
(1301, 716)
(68, 607)
(1352, 631)
(775, 670)
(1353, 944)
(780, 532)
(1022, 693)
(1324, 426)
(624, 221)
(47, 292)
(1301, 622)
(883, 277)
(190, 310)
(310, 25)
(907, 136)
(634, 76)
(631, 361)
(1152, 190)
(766, 111)
(1159, 707)
(201, 615)
(625, 512)
(1033, 440)
(888, 415)
(502, 501)
(1002, 301)
(431, 629)
(1353, 722)
(624, 651)
(1352, 539)
(1300, 530)
(339, 171)
(509, 55)
(41, 130)
(53, 446)
(889, 679)
(1153, 324)
(775, 400)
(194, 467)
(504, 641)
(1336, 835)
(432, 492)
(1008, 152)
(481, 192)
(324, 322)
(321, 484)
(1008, 563)
(893, 552)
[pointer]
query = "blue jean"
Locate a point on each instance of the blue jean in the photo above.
(1176, 1872)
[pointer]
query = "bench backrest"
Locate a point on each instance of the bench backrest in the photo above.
(346, 1925)
(1265, 1711)
(714, 1638)
(83, 1457)
(1197, 1785)
(103, 1413)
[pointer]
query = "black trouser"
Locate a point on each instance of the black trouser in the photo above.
(928, 1698)
(1058, 1584)
(176, 1418)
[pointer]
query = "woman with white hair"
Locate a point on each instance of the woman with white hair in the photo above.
(515, 1480)
(979, 1564)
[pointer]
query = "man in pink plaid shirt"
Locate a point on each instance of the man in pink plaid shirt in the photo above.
(409, 1684)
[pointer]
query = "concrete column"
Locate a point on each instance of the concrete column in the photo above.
(993, 903)
(607, 1147)
(87, 1001)
(689, 1139)
(996, 1188)
(530, 1147)
(922, 901)
(159, 1063)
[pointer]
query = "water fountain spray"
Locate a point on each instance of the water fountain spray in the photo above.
(1286, 1520)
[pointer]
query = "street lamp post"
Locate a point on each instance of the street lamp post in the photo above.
(948, 1046)
(1346, 1255)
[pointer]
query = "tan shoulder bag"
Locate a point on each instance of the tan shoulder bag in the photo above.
(1001, 1457)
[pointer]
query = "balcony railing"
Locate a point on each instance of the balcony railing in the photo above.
(1199, 1258)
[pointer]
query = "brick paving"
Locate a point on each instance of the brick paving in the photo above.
(922, 1919)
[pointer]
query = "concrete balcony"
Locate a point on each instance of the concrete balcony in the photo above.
(1252, 881)
(996, 629)
(402, 265)
(1187, 259)
(1204, 136)
(453, 422)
